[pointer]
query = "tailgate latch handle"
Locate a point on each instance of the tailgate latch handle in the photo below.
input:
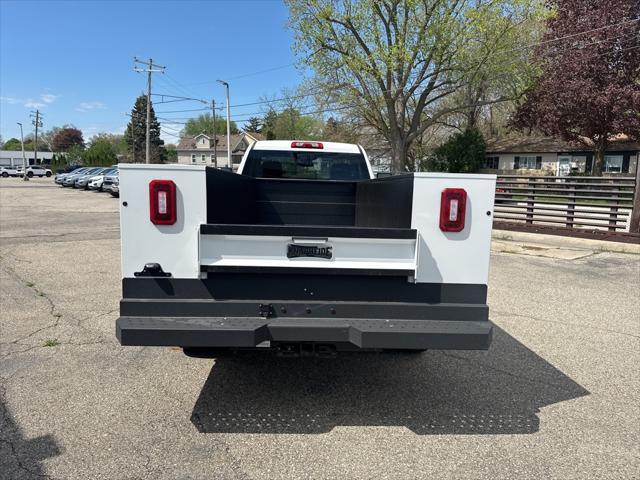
(265, 310)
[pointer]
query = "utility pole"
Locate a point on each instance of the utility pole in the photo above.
(215, 134)
(228, 125)
(150, 69)
(37, 122)
(24, 158)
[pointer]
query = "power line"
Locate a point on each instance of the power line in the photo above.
(150, 70)
(493, 54)
(182, 111)
(250, 74)
(182, 87)
(537, 44)
(238, 118)
(584, 32)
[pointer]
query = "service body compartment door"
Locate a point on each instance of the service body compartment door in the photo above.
(341, 249)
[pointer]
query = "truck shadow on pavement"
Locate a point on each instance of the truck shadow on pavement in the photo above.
(437, 392)
(19, 457)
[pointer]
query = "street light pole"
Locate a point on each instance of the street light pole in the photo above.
(228, 125)
(215, 134)
(24, 159)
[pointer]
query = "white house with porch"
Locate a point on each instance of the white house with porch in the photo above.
(200, 149)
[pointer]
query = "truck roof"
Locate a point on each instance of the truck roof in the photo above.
(331, 147)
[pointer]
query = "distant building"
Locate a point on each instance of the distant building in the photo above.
(550, 156)
(200, 149)
(10, 158)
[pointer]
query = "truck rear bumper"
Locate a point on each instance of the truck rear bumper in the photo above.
(347, 312)
(251, 332)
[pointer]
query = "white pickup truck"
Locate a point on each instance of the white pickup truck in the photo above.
(303, 252)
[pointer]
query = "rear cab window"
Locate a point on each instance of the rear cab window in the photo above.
(308, 165)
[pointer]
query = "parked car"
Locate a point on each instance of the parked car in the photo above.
(95, 183)
(70, 180)
(59, 178)
(35, 171)
(68, 169)
(82, 181)
(9, 171)
(111, 184)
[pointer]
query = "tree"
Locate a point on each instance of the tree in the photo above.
(395, 62)
(12, 144)
(269, 123)
(136, 134)
(253, 125)
(66, 137)
(100, 152)
(463, 152)
(588, 91)
(47, 137)
(339, 130)
(290, 124)
(118, 142)
(204, 124)
(172, 153)
(75, 155)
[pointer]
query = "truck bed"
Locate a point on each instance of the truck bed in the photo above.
(306, 264)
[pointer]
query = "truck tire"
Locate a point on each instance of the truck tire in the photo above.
(406, 351)
(205, 352)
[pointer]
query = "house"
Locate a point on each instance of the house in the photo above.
(9, 158)
(200, 149)
(531, 155)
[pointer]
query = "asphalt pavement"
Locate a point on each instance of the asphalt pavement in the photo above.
(556, 396)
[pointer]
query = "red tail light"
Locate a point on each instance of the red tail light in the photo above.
(453, 206)
(316, 145)
(162, 202)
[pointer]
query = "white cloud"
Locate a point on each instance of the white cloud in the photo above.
(86, 106)
(48, 97)
(44, 100)
(11, 100)
(34, 104)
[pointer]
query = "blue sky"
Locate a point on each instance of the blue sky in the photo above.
(74, 59)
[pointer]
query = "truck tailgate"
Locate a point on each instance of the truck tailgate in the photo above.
(304, 248)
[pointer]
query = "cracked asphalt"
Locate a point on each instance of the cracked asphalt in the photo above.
(556, 396)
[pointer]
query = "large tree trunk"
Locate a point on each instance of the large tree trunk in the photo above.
(399, 149)
(598, 161)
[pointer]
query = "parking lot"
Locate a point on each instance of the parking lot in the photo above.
(556, 396)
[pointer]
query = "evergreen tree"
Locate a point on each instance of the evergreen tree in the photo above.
(462, 153)
(269, 124)
(135, 134)
(253, 125)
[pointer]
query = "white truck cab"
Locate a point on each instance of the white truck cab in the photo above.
(303, 252)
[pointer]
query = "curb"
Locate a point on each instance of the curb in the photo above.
(556, 241)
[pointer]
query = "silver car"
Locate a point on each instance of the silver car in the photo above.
(70, 180)
(82, 181)
(111, 184)
(59, 178)
(95, 183)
